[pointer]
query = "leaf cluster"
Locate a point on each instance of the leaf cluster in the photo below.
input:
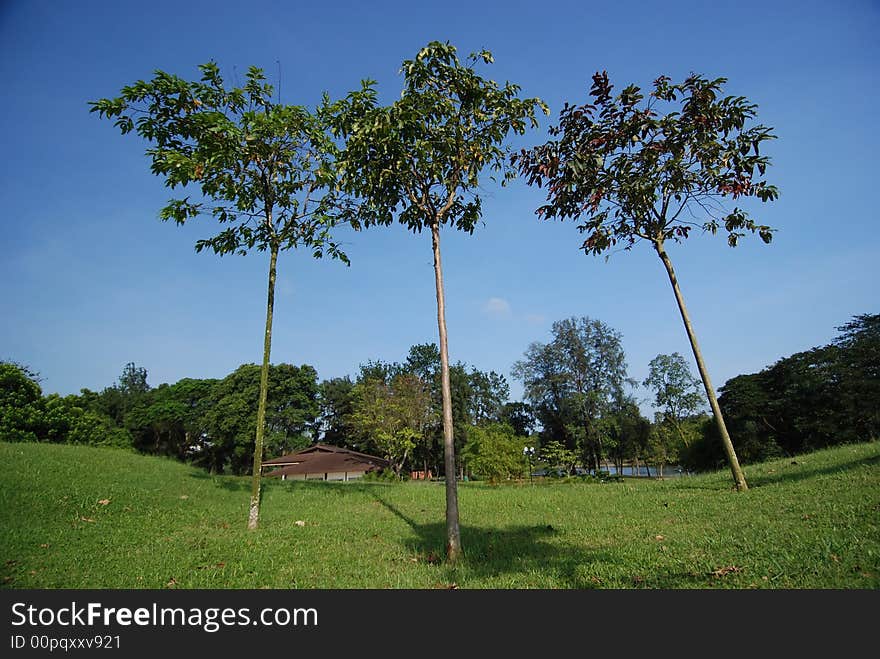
(265, 170)
(633, 167)
(422, 157)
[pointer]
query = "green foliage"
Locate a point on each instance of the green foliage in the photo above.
(337, 407)
(821, 397)
(27, 416)
(573, 381)
(20, 403)
(264, 170)
(383, 476)
(477, 398)
(421, 158)
(494, 452)
(636, 169)
(392, 418)
(519, 416)
(676, 390)
(230, 415)
(627, 433)
(489, 392)
(559, 459)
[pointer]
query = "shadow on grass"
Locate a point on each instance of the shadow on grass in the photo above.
(492, 552)
(229, 483)
(798, 469)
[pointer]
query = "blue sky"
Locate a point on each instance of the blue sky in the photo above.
(90, 279)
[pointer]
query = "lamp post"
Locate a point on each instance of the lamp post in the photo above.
(528, 452)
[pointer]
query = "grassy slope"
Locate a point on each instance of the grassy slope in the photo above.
(813, 524)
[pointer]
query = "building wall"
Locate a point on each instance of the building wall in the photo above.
(330, 476)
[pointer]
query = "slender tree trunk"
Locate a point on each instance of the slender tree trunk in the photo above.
(254, 511)
(738, 477)
(453, 536)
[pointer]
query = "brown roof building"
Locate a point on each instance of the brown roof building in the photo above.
(324, 462)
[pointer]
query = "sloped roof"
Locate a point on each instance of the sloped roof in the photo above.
(324, 458)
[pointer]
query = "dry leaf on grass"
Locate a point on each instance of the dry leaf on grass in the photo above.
(722, 571)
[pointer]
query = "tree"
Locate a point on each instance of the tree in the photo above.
(21, 408)
(676, 391)
(494, 452)
(580, 373)
(489, 392)
(520, 417)
(133, 380)
(628, 433)
(559, 459)
(393, 417)
(337, 406)
(420, 159)
(266, 171)
(633, 174)
(292, 411)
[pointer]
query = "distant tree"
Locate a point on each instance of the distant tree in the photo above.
(546, 389)
(581, 372)
(676, 391)
(661, 446)
(420, 159)
(520, 417)
(26, 415)
(628, 433)
(21, 404)
(494, 452)
(291, 417)
(392, 417)
(558, 458)
(423, 359)
(857, 374)
(133, 380)
(337, 406)
(489, 392)
(266, 171)
(633, 174)
(170, 420)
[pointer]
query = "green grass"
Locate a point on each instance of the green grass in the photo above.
(812, 522)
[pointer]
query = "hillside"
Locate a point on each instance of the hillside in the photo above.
(82, 517)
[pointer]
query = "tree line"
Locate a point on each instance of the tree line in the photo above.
(580, 412)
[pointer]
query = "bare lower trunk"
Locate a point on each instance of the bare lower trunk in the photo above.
(254, 510)
(738, 477)
(453, 536)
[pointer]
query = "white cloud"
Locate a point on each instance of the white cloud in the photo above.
(498, 307)
(535, 318)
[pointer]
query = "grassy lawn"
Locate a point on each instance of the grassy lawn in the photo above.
(80, 517)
